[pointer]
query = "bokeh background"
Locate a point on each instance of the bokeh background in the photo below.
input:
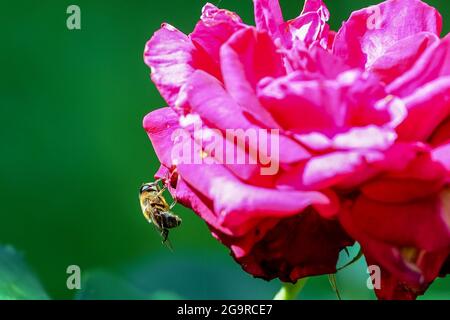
(74, 153)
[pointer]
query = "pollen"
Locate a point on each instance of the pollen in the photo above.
(389, 98)
(410, 254)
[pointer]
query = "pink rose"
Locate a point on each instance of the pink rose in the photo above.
(402, 216)
(351, 151)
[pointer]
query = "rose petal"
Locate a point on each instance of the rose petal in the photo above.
(172, 58)
(441, 134)
(243, 67)
(420, 123)
(311, 26)
(369, 137)
(160, 125)
(433, 64)
(422, 224)
(255, 249)
(214, 29)
(213, 144)
(335, 168)
(442, 155)
(274, 256)
(239, 205)
(393, 288)
(268, 16)
(401, 56)
(377, 252)
(325, 106)
(212, 103)
(370, 32)
(422, 178)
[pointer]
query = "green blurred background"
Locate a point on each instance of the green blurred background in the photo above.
(74, 153)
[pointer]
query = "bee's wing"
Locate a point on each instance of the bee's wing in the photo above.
(168, 244)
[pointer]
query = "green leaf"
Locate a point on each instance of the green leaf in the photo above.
(355, 259)
(17, 282)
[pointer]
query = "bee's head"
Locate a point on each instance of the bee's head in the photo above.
(149, 187)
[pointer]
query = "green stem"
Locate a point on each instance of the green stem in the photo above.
(290, 291)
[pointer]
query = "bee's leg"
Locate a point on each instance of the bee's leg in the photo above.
(157, 183)
(161, 191)
(173, 204)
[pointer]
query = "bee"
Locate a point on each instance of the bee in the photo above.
(157, 211)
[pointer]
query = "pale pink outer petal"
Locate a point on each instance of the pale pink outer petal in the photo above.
(212, 103)
(326, 106)
(243, 66)
(268, 17)
(173, 57)
(427, 107)
(432, 65)
(214, 29)
(214, 143)
(370, 32)
(337, 167)
(368, 137)
(170, 56)
(314, 6)
(371, 136)
(160, 125)
(311, 25)
(188, 196)
(400, 57)
(321, 63)
(348, 169)
(298, 105)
